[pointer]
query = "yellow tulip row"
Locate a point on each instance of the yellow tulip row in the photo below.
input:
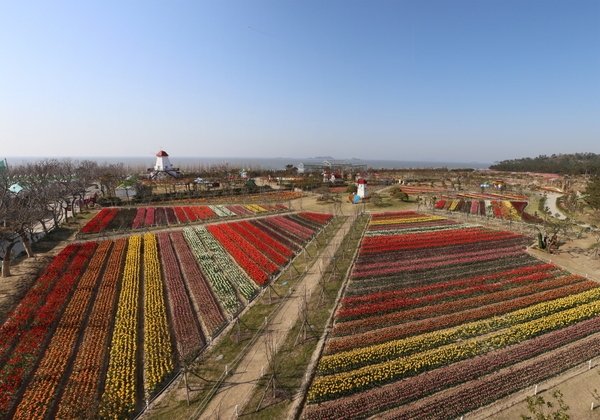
(453, 205)
(118, 399)
(158, 361)
(417, 219)
(334, 386)
(353, 359)
(514, 215)
(255, 208)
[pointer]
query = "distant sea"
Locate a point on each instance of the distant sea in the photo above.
(190, 163)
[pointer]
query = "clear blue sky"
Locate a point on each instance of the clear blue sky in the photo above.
(405, 80)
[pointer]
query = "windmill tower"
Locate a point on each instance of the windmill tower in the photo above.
(163, 167)
(362, 188)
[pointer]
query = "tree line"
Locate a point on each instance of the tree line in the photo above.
(564, 164)
(40, 194)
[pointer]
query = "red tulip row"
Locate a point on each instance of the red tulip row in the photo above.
(17, 319)
(410, 279)
(201, 293)
(23, 356)
(149, 220)
(452, 313)
(443, 256)
(189, 213)
(204, 212)
(253, 252)
(409, 256)
(248, 263)
(390, 305)
(321, 218)
(180, 214)
(351, 301)
(40, 393)
(428, 240)
(185, 325)
(100, 220)
(390, 269)
(394, 215)
(81, 389)
(273, 255)
(386, 397)
(415, 225)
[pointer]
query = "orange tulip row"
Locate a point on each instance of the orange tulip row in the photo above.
(40, 393)
(82, 387)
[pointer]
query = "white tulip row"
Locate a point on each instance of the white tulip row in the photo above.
(221, 286)
(232, 270)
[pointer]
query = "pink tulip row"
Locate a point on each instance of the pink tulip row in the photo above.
(387, 397)
(292, 227)
(185, 325)
(485, 390)
(201, 293)
(278, 233)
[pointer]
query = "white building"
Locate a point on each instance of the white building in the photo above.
(163, 167)
(362, 188)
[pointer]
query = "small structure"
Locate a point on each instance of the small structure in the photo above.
(163, 167)
(362, 188)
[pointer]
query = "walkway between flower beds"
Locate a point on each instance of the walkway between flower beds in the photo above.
(239, 385)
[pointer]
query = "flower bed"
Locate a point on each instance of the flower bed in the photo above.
(441, 307)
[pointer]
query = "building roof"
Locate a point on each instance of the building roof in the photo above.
(162, 153)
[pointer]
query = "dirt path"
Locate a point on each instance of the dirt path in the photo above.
(238, 388)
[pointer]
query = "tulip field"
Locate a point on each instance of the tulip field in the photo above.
(488, 205)
(436, 305)
(106, 324)
(115, 218)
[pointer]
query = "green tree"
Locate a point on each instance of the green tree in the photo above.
(592, 194)
(546, 410)
(402, 196)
